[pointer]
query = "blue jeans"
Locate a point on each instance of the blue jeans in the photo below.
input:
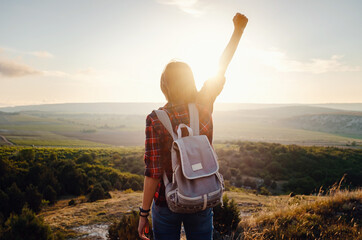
(166, 225)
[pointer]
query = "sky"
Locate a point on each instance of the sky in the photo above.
(115, 51)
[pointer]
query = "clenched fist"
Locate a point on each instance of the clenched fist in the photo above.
(240, 21)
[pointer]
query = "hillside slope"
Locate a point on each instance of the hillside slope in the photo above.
(332, 217)
(349, 123)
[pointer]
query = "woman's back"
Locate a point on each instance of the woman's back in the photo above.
(158, 141)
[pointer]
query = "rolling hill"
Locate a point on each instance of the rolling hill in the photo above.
(100, 124)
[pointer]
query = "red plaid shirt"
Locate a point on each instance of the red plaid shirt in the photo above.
(158, 140)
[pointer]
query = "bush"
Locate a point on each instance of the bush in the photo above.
(16, 198)
(107, 186)
(226, 217)
(126, 228)
(249, 183)
(26, 226)
(129, 190)
(98, 193)
(264, 191)
(85, 158)
(273, 185)
(50, 194)
(33, 198)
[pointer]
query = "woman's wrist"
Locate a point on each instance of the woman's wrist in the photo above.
(144, 212)
(238, 30)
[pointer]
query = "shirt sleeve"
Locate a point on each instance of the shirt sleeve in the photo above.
(152, 151)
(210, 90)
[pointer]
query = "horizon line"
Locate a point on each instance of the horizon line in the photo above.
(108, 102)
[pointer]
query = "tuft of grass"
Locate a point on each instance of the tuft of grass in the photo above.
(336, 216)
(129, 190)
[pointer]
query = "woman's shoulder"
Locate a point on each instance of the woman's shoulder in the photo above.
(152, 119)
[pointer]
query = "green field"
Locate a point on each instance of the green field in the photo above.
(42, 128)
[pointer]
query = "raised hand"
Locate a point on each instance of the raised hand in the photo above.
(240, 21)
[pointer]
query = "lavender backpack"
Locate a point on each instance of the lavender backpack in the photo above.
(196, 182)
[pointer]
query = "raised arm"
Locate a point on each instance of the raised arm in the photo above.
(240, 22)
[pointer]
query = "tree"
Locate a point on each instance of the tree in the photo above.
(249, 183)
(50, 194)
(16, 199)
(85, 158)
(267, 180)
(27, 155)
(98, 193)
(33, 198)
(4, 204)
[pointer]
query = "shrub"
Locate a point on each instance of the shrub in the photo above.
(50, 194)
(226, 217)
(273, 185)
(27, 155)
(26, 226)
(98, 193)
(33, 198)
(250, 183)
(85, 158)
(107, 186)
(16, 198)
(129, 190)
(126, 228)
(264, 191)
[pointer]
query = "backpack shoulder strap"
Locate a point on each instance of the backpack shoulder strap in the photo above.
(165, 120)
(194, 119)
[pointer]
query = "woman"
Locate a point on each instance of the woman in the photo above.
(178, 86)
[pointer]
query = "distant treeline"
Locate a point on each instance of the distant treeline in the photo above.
(304, 169)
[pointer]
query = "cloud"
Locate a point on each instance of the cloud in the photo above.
(55, 73)
(39, 54)
(83, 73)
(13, 69)
(188, 6)
(282, 63)
(87, 72)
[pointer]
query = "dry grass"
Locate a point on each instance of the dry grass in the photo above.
(63, 217)
(337, 216)
(263, 217)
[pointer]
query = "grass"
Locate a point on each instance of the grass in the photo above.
(64, 218)
(49, 139)
(274, 133)
(263, 217)
(330, 217)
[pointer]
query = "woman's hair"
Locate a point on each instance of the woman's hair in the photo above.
(177, 82)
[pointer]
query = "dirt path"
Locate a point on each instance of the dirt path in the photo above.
(6, 141)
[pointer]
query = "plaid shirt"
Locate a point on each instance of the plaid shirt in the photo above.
(158, 140)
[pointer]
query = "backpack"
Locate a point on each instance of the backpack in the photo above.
(196, 182)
